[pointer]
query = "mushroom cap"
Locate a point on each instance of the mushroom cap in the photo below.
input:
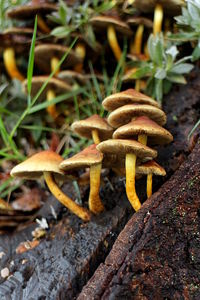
(173, 7)
(122, 147)
(101, 22)
(45, 52)
(34, 166)
(19, 38)
(84, 127)
(57, 85)
(129, 96)
(134, 21)
(151, 167)
(143, 125)
(88, 157)
(70, 76)
(23, 12)
(126, 113)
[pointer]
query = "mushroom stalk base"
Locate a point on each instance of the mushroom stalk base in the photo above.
(81, 52)
(158, 18)
(42, 25)
(142, 138)
(130, 181)
(10, 64)
(149, 185)
(112, 40)
(95, 204)
(64, 199)
(51, 109)
(95, 136)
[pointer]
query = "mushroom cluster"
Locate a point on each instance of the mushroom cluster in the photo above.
(138, 121)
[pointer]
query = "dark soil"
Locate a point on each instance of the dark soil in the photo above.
(71, 251)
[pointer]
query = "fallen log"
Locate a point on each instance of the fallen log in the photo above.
(157, 255)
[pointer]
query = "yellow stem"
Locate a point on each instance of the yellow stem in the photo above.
(112, 40)
(10, 64)
(95, 136)
(54, 63)
(137, 85)
(95, 204)
(138, 39)
(51, 109)
(81, 52)
(146, 51)
(81, 212)
(158, 18)
(142, 138)
(42, 25)
(149, 185)
(130, 181)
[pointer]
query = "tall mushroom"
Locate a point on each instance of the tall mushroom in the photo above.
(112, 25)
(89, 157)
(150, 168)
(46, 163)
(93, 127)
(130, 150)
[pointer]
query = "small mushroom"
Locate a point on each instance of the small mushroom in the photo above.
(112, 24)
(129, 96)
(93, 127)
(126, 113)
(30, 10)
(144, 128)
(14, 40)
(54, 87)
(130, 150)
(150, 168)
(89, 157)
(46, 163)
(71, 77)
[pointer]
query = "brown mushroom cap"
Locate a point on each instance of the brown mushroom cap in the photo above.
(84, 127)
(45, 52)
(126, 113)
(143, 125)
(101, 22)
(33, 167)
(122, 147)
(173, 7)
(129, 96)
(134, 21)
(70, 77)
(150, 167)
(57, 85)
(23, 12)
(88, 157)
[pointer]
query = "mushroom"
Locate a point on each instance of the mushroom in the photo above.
(144, 128)
(47, 57)
(14, 40)
(172, 7)
(129, 96)
(30, 10)
(93, 127)
(71, 77)
(46, 163)
(149, 168)
(126, 113)
(112, 24)
(130, 150)
(89, 157)
(54, 87)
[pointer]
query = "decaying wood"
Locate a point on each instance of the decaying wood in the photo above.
(157, 255)
(71, 251)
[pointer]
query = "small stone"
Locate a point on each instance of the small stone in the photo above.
(5, 272)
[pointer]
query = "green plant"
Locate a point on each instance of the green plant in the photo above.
(162, 69)
(189, 27)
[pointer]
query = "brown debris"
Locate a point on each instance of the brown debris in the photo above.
(25, 246)
(29, 201)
